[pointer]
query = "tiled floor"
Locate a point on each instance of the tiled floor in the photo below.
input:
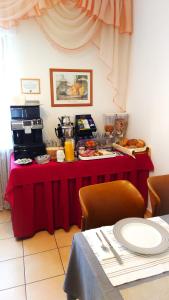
(33, 268)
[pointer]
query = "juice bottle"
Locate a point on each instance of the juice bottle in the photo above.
(69, 150)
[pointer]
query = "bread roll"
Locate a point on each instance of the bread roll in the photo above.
(140, 143)
(135, 143)
(132, 142)
(123, 142)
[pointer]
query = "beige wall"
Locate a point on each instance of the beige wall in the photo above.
(34, 57)
(148, 93)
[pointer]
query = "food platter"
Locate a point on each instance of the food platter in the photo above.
(97, 157)
(23, 161)
(91, 157)
(141, 236)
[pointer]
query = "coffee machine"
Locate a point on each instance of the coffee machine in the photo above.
(65, 129)
(27, 126)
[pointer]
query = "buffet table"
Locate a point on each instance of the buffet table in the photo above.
(45, 196)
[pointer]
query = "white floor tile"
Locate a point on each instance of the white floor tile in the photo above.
(6, 230)
(11, 273)
(41, 241)
(10, 248)
(43, 265)
(17, 293)
(49, 289)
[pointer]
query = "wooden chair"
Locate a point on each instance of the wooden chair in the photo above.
(158, 187)
(106, 203)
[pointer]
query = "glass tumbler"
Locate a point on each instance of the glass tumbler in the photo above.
(69, 150)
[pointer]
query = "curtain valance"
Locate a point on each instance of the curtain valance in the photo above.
(70, 27)
(72, 24)
(114, 12)
(12, 11)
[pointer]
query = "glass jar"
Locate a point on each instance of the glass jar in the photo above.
(60, 155)
(69, 150)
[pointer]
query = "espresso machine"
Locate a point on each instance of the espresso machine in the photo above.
(27, 126)
(65, 129)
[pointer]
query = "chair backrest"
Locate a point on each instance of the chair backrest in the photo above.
(106, 203)
(158, 187)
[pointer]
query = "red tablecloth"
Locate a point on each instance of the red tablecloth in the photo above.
(46, 196)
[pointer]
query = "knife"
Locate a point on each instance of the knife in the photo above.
(117, 256)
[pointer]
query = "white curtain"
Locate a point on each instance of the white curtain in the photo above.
(6, 83)
(70, 28)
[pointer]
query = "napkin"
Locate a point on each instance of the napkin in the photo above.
(96, 244)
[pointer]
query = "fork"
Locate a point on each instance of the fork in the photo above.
(104, 247)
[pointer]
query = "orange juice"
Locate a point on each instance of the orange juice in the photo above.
(69, 149)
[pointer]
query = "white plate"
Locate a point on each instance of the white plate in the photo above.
(112, 154)
(42, 159)
(23, 161)
(141, 235)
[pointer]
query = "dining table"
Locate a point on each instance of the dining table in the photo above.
(86, 279)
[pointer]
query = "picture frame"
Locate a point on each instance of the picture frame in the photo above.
(71, 87)
(30, 86)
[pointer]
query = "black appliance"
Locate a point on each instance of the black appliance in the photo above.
(27, 126)
(84, 127)
(25, 112)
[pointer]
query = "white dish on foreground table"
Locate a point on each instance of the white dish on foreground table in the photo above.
(141, 235)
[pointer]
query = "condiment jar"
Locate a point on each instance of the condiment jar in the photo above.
(60, 155)
(69, 150)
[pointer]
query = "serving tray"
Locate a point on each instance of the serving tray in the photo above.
(130, 151)
(112, 154)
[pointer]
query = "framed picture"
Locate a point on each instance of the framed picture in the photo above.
(30, 86)
(71, 87)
